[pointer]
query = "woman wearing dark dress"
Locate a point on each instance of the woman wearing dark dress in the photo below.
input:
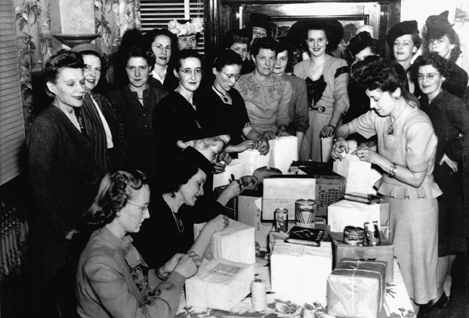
(102, 122)
(223, 109)
(170, 227)
(61, 165)
(177, 116)
(450, 119)
(440, 37)
(135, 101)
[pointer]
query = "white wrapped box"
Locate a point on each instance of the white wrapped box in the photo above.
(219, 284)
(344, 213)
(234, 168)
(235, 243)
(299, 273)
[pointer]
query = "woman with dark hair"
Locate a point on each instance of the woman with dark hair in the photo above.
(224, 108)
(177, 116)
(404, 41)
(450, 119)
(102, 123)
(298, 105)
(113, 279)
(406, 154)
(441, 38)
(238, 41)
(164, 45)
(326, 79)
(61, 166)
(136, 99)
(181, 184)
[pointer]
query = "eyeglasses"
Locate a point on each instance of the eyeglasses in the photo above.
(429, 76)
(143, 207)
(189, 72)
(232, 76)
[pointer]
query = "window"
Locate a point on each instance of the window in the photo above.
(12, 132)
(155, 14)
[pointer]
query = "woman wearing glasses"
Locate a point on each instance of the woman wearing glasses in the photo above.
(224, 108)
(112, 278)
(450, 119)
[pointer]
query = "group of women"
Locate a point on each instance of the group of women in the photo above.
(155, 141)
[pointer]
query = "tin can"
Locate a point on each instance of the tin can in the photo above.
(305, 212)
(281, 220)
(354, 235)
(372, 233)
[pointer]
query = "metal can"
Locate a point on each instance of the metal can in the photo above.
(281, 220)
(305, 212)
(354, 235)
(372, 233)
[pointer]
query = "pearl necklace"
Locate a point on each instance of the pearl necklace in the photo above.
(178, 222)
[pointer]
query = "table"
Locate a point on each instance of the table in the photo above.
(396, 302)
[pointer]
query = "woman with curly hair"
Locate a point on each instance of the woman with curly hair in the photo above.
(113, 279)
(406, 154)
(441, 38)
(450, 119)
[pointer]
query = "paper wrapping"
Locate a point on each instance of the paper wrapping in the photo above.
(219, 284)
(284, 150)
(235, 243)
(345, 212)
(381, 252)
(234, 168)
(356, 289)
(299, 273)
(326, 148)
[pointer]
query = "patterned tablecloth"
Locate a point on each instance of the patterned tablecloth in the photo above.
(396, 302)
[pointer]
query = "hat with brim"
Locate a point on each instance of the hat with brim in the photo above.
(236, 36)
(298, 32)
(260, 20)
(87, 47)
(438, 26)
(400, 29)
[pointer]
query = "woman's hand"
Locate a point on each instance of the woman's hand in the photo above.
(282, 131)
(231, 191)
(452, 164)
(223, 159)
(187, 266)
(170, 265)
(246, 144)
(339, 147)
(263, 145)
(270, 135)
(327, 131)
(366, 154)
(218, 223)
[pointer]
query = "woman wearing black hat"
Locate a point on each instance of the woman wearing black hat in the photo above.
(404, 41)
(326, 78)
(238, 41)
(442, 38)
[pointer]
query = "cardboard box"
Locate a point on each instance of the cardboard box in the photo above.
(321, 185)
(356, 289)
(382, 252)
(249, 212)
(219, 284)
(234, 168)
(299, 273)
(345, 213)
(235, 243)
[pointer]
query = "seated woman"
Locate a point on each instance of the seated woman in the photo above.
(102, 122)
(170, 228)
(223, 108)
(112, 278)
(135, 100)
